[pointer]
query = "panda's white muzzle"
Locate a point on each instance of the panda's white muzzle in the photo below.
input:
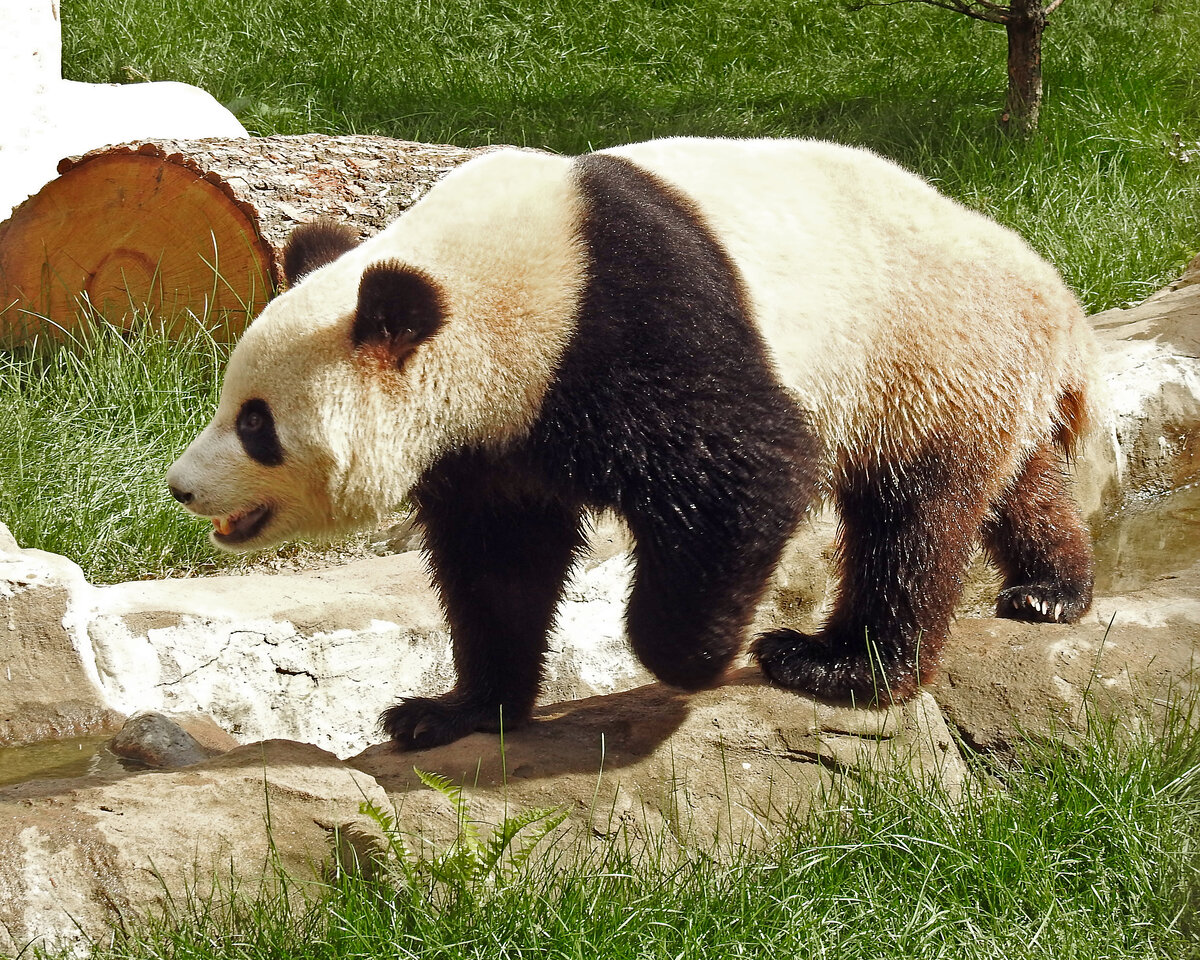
(210, 481)
(231, 529)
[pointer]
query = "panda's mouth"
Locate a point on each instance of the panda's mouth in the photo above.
(240, 527)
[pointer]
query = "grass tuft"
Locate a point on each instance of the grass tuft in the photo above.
(88, 433)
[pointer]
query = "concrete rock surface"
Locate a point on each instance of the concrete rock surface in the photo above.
(1148, 441)
(720, 766)
(77, 858)
(1001, 681)
(48, 682)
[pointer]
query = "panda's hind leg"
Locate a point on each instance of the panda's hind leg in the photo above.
(907, 532)
(1041, 545)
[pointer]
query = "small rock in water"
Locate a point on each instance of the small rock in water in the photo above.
(156, 741)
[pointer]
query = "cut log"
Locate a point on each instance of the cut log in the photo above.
(186, 231)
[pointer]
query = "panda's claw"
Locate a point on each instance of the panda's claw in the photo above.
(1043, 603)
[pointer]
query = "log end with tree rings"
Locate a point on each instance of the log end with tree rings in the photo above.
(185, 233)
(131, 236)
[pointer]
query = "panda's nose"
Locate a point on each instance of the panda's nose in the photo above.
(181, 495)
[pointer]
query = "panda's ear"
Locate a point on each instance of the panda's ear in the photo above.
(313, 245)
(398, 308)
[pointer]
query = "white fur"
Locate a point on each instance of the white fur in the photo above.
(896, 315)
(499, 237)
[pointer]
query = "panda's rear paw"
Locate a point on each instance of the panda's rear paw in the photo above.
(823, 668)
(419, 723)
(1043, 603)
(787, 659)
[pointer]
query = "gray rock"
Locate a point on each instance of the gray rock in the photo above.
(1132, 655)
(318, 656)
(156, 741)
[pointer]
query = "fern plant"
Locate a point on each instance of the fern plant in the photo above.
(474, 859)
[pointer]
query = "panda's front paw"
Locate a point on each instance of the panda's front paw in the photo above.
(419, 723)
(1042, 603)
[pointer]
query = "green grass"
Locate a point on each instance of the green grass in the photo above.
(1076, 852)
(85, 440)
(1097, 192)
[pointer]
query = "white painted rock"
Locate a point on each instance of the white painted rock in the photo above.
(1148, 441)
(47, 118)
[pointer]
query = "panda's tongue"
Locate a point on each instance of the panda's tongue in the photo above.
(239, 523)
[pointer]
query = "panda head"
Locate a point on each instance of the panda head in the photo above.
(295, 447)
(442, 331)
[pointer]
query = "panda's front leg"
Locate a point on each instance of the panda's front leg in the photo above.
(499, 559)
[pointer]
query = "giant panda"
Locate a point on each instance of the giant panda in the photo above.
(707, 336)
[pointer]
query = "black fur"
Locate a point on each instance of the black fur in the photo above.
(907, 534)
(256, 430)
(499, 547)
(313, 245)
(398, 307)
(666, 408)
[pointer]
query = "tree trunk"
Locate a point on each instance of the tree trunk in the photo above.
(1025, 26)
(189, 229)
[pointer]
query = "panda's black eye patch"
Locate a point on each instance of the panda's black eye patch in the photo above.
(256, 430)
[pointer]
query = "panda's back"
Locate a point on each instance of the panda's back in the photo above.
(893, 313)
(874, 292)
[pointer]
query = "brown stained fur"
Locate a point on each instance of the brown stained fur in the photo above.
(1040, 544)
(1072, 422)
(907, 533)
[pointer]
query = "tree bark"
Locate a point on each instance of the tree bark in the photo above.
(188, 230)
(1025, 25)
